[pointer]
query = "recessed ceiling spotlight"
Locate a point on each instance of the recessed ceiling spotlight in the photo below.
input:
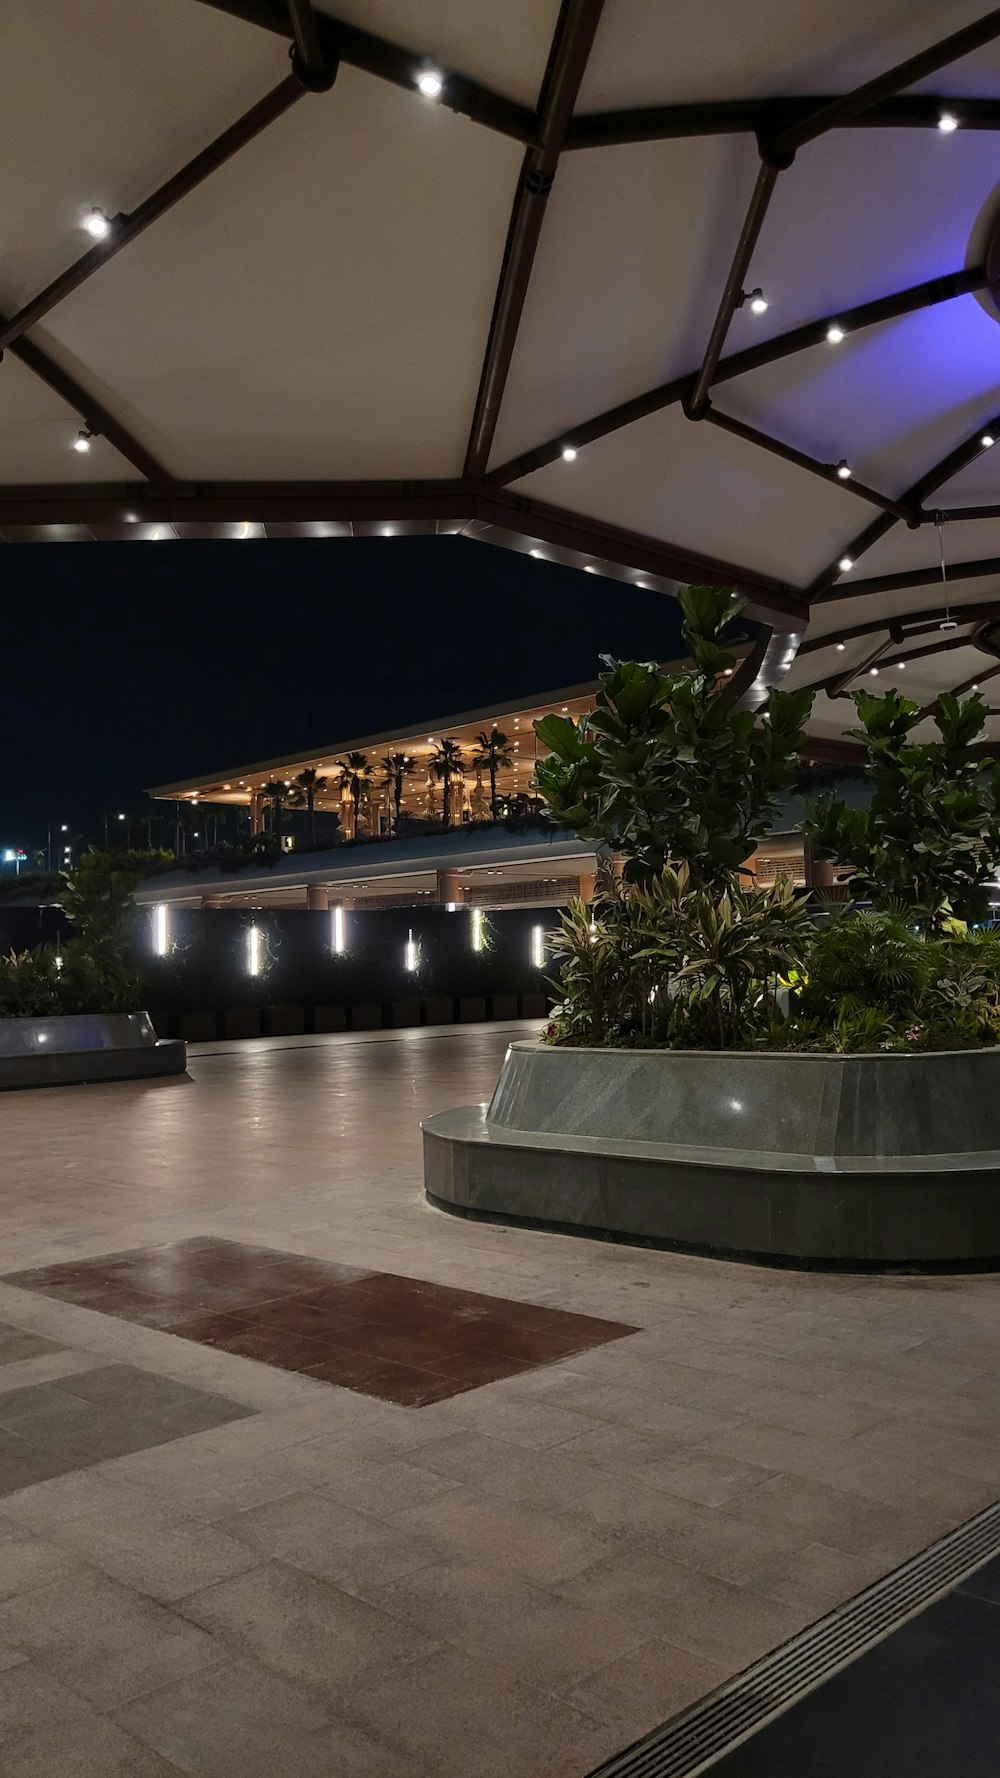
(947, 123)
(536, 552)
(387, 531)
(900, 666)
(755, 300)
(976, 686)
(569, 453)
(844, 470)
(97, 224)
(874, 672)
(987, 441)
(588, 568)
(82, 440)
(840, 647)
(845, 564)
(430, 83)
(834, 333)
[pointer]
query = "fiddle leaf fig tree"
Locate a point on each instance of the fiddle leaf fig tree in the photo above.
(929, 840)
(665, 770)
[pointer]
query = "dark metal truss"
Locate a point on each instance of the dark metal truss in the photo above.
(317, 44)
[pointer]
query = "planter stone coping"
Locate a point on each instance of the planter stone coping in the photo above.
(72, 1048)
(768, 1108)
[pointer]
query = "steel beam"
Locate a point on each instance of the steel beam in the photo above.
(104, 504)
(908, 577)
(753, 222)
(650, 555)
(375, 55)
(91, 411)
(126, 228)
(578, 21)
(784, 345)
(905, 74)
(768, 117)
(901, 629)
(823, 588)
(310, 63)
(827, 472)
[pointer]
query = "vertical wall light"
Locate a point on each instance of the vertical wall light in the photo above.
(411, 953)
(477, 929)
(160, 929)
(253, 951)
(337, 922)
(538, 946)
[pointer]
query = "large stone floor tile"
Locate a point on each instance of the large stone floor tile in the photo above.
(324, 1537)
(164, 1559)
(636, 1693)
(304, 1628)
(815, 1577)
(633, 1582)
(34, 1703)
(87, 1747)
(460, 1723)
(243, 1721)
(501, 1533)
(385, 1488)
(27, 1562)
(728, 1624)
(838, 1518)
(537, 1635)
(103, 1640)
(541, 1479)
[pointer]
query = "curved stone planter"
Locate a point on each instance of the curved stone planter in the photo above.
(73, 1048)
(885, 1162)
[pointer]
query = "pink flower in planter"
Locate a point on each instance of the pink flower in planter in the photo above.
(914, 1034)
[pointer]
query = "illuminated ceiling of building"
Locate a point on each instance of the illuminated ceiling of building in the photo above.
(692, 292)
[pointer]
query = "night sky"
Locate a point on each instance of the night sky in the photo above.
(126, 665)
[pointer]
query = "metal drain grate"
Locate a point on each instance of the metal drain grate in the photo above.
(692, 1742)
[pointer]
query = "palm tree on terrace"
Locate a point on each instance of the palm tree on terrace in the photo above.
(275, 792)
(446, 763)
(493, 755)
(302, 795)
(355, 770)
(397, 767)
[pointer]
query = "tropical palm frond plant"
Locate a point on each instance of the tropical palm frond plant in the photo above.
(275, 792)
(446, 763)
(354, 769)
(302, 795)
(493, 754)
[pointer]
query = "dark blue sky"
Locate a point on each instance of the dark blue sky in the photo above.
(125, 665)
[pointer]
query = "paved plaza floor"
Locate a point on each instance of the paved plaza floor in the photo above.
(214, 1565)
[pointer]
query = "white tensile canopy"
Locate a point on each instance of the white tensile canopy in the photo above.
(690, 291)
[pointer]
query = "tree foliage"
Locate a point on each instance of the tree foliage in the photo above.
(929, 841)
(666, 770)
